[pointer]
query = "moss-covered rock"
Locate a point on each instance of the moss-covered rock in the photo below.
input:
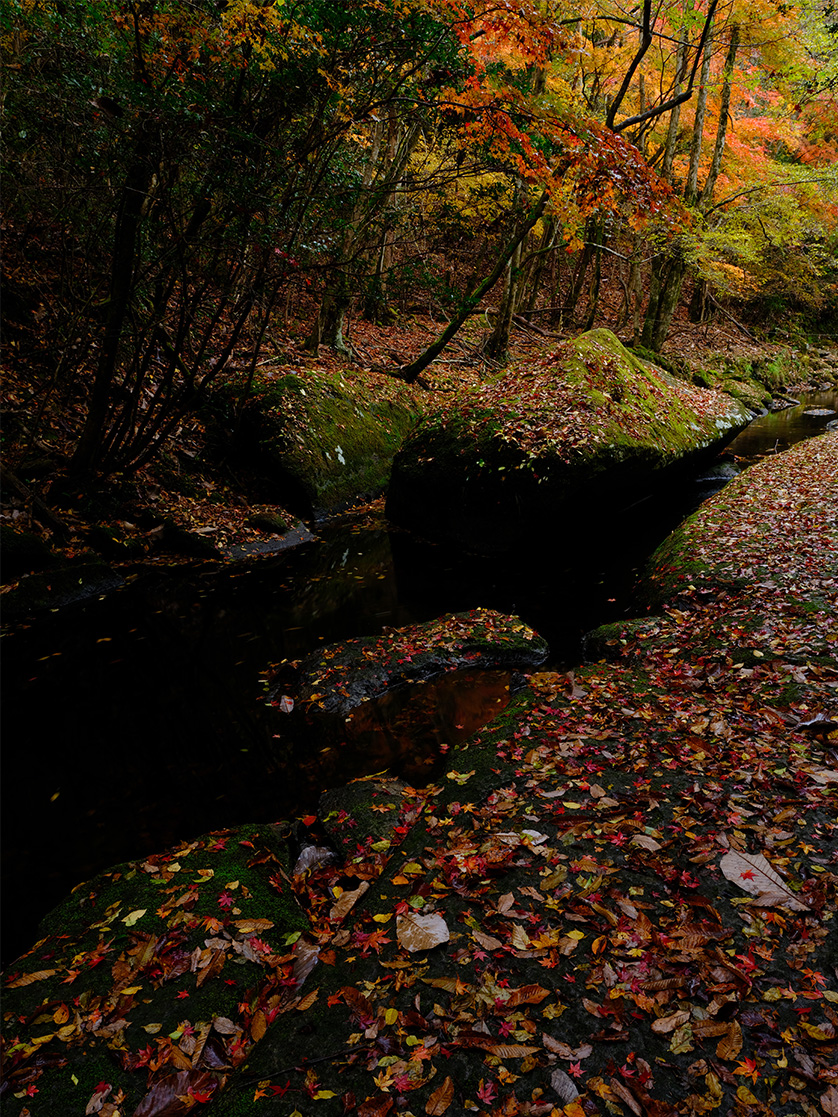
(321, 442)
(337, 678)
(515, 459)
(156, 967)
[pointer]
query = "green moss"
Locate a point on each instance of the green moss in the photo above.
(122, 959)
(321, 441)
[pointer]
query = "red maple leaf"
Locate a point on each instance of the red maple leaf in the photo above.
(576, 1070)
(747, 875)
(486, 1092)
(748, 1067)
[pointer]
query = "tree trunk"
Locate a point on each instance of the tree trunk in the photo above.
(497, 346)
(412, 371)
(721, 131)
(691, 188)
(675, 115)
(668, 272)
(123, 269)
(593, 292)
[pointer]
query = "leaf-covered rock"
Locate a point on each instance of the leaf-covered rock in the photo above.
(514, 458)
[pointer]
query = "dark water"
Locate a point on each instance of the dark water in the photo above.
(135, 721)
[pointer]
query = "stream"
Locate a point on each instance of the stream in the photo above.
(137, 720)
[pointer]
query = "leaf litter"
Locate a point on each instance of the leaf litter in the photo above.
(637, 881)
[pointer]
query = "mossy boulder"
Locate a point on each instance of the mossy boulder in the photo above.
(756, 506)
(516, 459)
(320, 442)
(336, 679)
(163, 966)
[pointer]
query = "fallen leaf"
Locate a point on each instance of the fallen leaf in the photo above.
(440, 1099)
(731, 1043)
(564, 1086)
(421, 932)
(670, 1023)
(754, 874)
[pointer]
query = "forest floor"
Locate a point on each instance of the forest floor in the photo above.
(620, 899)
(209, 498)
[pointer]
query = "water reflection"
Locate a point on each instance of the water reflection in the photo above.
(778, 430)
(409, 730)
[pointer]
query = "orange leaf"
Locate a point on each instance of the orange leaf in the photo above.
(258, 1025)
(29, 978)
(730, 1044)
(308, 1000)
(440, 1099)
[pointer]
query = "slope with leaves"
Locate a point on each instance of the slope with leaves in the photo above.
(620, 899)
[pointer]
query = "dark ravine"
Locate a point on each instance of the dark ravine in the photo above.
(186, 768)
(577, 855)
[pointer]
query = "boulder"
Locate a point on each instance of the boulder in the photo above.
(515, 459)
(317, 442)
(336, 679)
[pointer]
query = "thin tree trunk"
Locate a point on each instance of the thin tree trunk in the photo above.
(721, 131)
(675, 115)
(691, 188)
(412, 371)
(123, 269)
(497, 346)
(593, 292)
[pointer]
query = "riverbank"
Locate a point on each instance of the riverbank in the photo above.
(620, 898)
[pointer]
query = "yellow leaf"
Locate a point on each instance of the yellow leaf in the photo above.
(134, 917)
(745, 1095)
(382, 918)
(308, 1001)
(575, 935)
(391, 1015)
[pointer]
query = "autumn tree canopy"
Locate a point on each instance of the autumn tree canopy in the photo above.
(176, 173)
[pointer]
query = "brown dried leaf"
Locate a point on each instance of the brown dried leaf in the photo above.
(731, 1043)
(29, 978)
(347, 900)
(670, 1023)
(754, 874)
(440, 1099)
(308, 1000)
(258, 1025)
(421, 932)
(488, 942)
(572, 1054)
(247, 926)
(564, 1086)
(378, 1106)
(626, 1096)
(526, 995)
